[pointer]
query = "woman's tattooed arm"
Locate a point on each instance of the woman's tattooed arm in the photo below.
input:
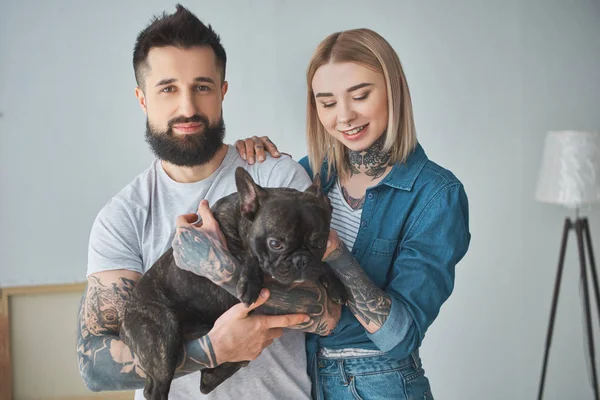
(368, 303)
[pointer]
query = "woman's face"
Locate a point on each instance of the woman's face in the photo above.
(351, 103)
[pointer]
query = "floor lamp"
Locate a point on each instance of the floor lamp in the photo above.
(570, 176)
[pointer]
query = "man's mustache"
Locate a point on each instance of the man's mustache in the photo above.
(194, 118)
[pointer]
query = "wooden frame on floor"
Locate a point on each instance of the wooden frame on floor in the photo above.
(5, 358)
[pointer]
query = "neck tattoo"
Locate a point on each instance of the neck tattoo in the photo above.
(372, 162)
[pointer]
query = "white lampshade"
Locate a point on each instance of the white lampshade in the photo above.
(570, 171)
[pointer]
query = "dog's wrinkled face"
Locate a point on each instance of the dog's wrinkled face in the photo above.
(290, 236)
(289, 229)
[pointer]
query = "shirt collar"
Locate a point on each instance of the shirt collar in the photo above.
(403, 175)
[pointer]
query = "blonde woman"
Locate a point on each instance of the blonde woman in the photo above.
(399, 216)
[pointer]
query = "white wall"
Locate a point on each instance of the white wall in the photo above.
(488, 79)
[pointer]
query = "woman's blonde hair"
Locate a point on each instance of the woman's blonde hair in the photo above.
(369, 49)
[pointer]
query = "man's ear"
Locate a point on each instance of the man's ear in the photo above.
(249, 193)
(139, 93)
(224, 88)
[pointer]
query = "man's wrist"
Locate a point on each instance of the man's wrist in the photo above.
(214, 350)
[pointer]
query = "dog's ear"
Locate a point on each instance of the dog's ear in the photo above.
(249, 193)
(315, 188)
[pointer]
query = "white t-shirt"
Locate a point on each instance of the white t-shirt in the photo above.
(137, 226)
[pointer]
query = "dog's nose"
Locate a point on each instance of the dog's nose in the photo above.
(299, 261)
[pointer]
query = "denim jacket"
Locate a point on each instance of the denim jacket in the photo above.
(414, 229)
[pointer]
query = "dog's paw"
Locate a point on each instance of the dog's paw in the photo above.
(247, 291)
(335, 289)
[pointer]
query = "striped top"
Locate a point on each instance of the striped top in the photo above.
(344, 220)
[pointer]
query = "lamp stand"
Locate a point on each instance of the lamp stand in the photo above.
(582, 230)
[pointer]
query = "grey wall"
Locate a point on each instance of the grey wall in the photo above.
(488, 79)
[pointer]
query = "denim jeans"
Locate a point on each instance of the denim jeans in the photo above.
(369, 377)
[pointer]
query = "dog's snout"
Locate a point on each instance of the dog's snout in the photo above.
(299, 261)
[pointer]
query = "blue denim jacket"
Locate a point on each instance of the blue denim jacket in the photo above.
(413, 231)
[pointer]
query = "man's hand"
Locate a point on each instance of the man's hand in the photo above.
(250, 148)
(237, 336)
(202, 220)
(200, 247)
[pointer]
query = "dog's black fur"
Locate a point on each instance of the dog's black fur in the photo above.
(280, 232)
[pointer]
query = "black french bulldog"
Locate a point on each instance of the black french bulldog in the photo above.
(281, 232)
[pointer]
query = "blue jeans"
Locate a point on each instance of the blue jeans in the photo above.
(369, 378)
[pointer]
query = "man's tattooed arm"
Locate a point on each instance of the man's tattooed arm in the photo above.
(202, 253)
(105, 361)
(368, 303)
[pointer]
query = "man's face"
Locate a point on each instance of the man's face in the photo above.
(182, 99)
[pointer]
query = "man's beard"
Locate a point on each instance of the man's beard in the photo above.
(186, 150)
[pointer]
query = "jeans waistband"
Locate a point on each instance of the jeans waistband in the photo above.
(365, 364)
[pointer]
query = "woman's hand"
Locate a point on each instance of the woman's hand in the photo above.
(254, 147)
(334, 246)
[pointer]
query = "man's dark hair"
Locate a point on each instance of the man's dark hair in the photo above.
(181, 29)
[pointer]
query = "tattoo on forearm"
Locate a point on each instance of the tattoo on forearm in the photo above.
(210, 352)
(372, 161)
(368, 303)
(106, 305)
(336, 253)
(204, 255)
(372, 305)
(106, 362)
(198, 354)
(102, 356)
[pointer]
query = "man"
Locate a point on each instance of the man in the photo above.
(179, 66)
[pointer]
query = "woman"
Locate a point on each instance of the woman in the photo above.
(401, 217)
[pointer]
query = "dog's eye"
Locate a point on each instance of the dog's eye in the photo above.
(275, 244)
